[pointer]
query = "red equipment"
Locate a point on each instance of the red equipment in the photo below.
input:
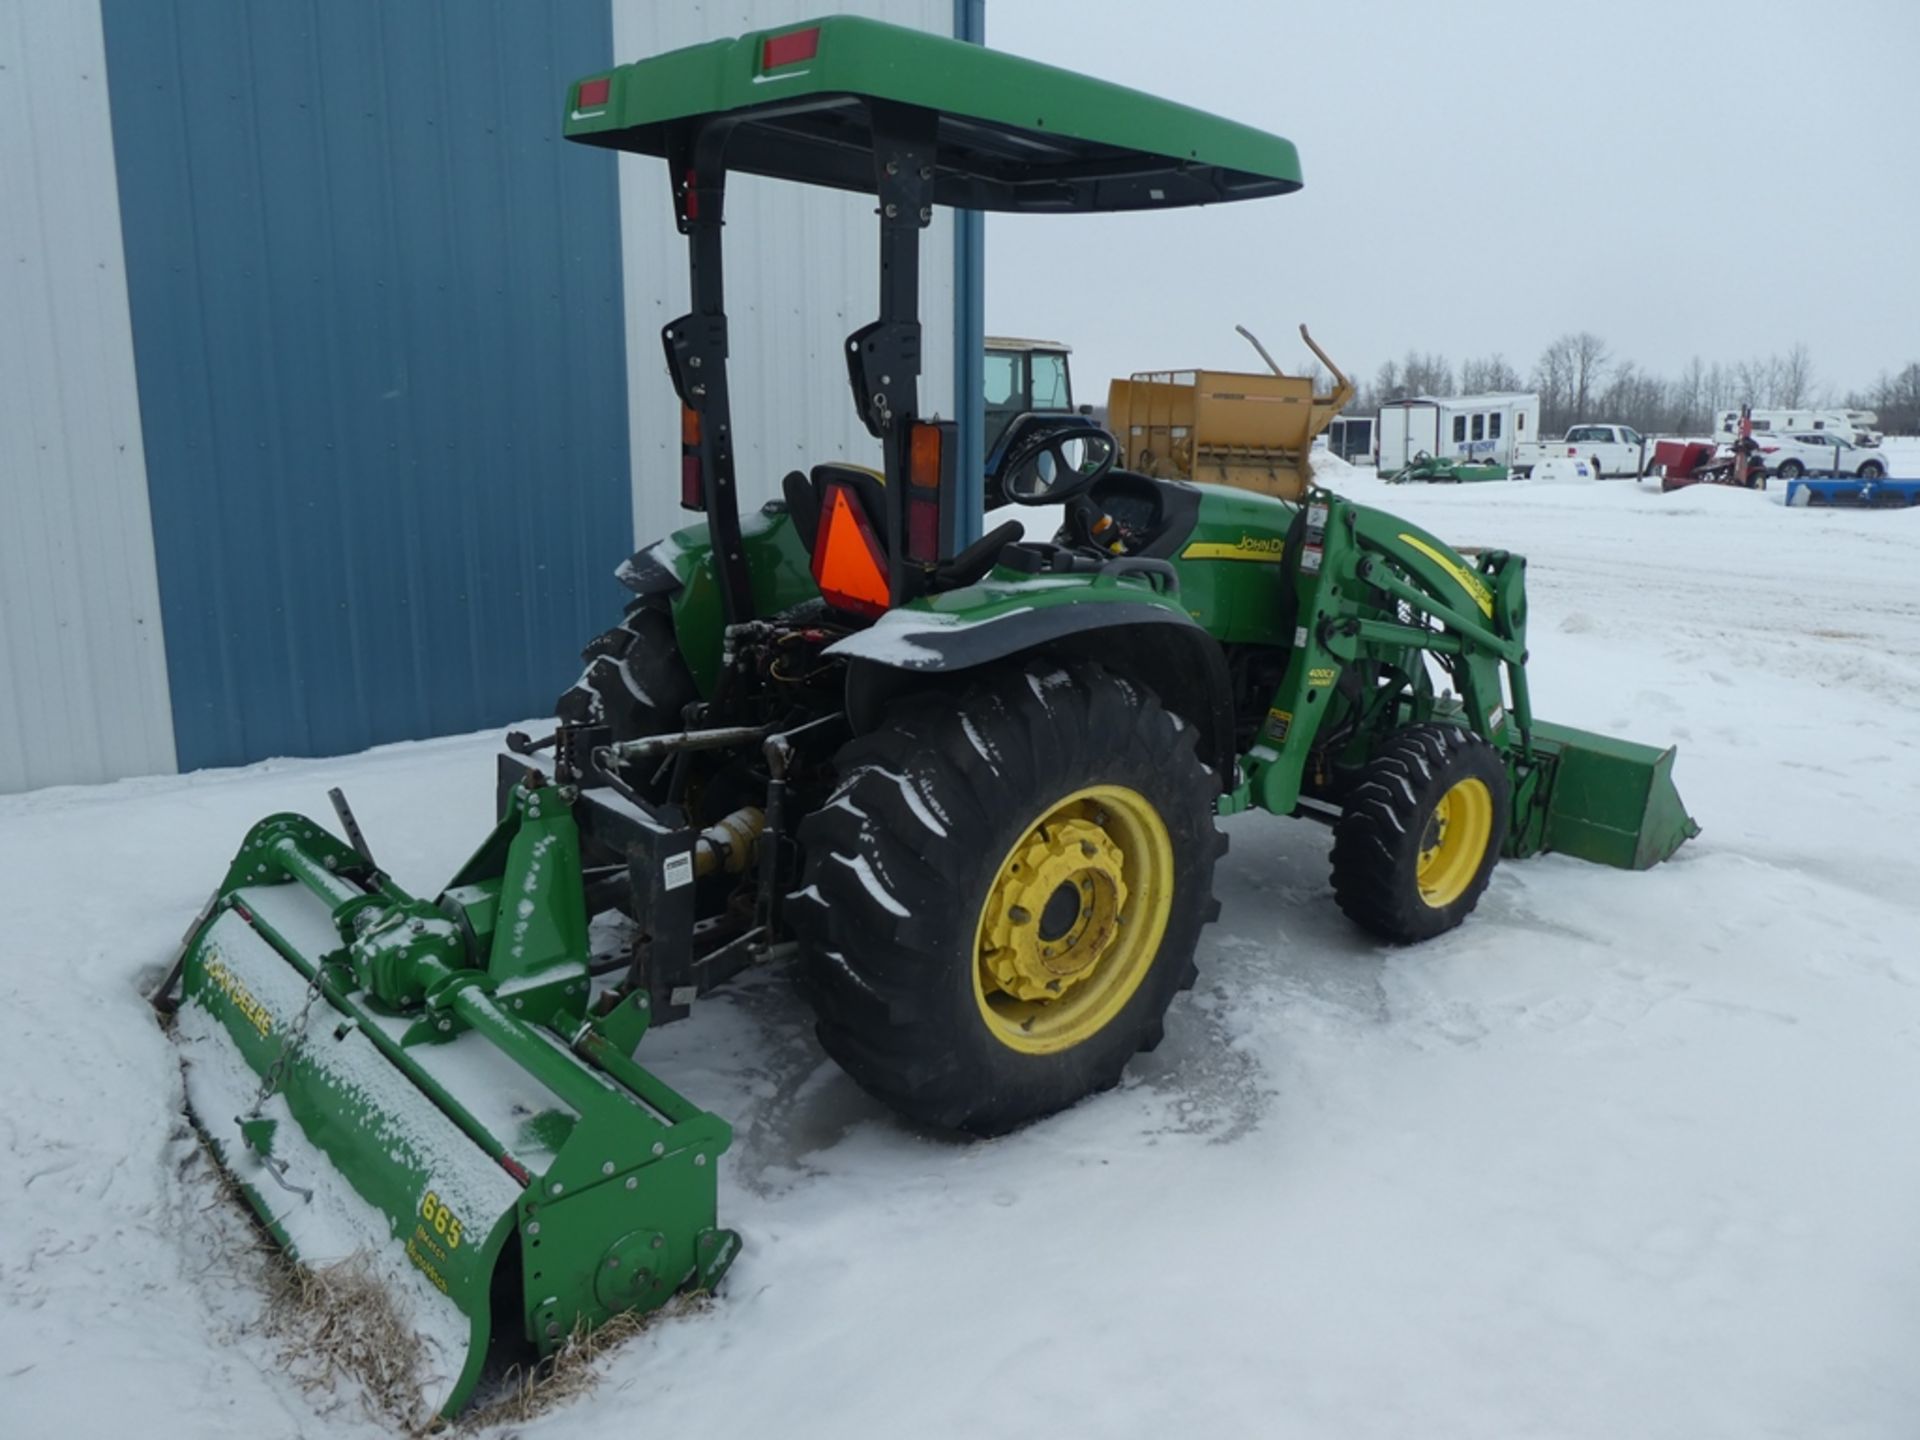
(1693, 462)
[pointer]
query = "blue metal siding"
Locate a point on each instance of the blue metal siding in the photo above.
(970, 327)
(377, 322)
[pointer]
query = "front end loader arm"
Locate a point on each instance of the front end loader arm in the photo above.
(1370, 586)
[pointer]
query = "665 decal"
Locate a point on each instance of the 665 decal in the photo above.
(443, 1221)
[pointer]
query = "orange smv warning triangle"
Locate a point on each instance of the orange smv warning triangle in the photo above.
(848, 564)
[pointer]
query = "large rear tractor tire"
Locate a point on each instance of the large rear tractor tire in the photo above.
(1421, 833)
(1004, 893)
(635, 683)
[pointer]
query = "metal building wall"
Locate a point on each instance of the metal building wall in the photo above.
(803, 271)
(83, 679)
(382, 374)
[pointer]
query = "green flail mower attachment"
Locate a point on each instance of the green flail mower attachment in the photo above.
(420, 1086)
(1439, 470)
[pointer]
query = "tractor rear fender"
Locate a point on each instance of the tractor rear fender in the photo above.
(647, 573)
(679, 569)
(1151, 642)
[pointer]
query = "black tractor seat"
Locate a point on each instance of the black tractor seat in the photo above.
(1155, 516)
(803, 494)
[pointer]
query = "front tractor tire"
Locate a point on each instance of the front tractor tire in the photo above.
(1004, 893)
(1421, 832)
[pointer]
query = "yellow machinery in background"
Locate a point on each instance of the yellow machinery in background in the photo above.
(1223, 427)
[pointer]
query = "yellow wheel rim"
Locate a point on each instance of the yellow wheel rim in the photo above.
(1072, 919)
(1454, 843)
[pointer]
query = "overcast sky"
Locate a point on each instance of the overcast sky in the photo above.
(1712, 177)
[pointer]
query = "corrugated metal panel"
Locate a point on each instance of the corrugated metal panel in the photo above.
(803, 271)
(381, 376)
(83, 680)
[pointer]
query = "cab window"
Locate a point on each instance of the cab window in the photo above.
(1002, 379)
(1049, 381)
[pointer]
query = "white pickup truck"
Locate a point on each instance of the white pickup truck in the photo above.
(1610, 449)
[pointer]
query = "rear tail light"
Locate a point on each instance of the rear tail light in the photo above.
(924, 457)
(790, 48)
(692, 490)
(848, 564)
(593, 93)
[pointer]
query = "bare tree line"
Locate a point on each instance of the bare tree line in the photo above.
(1578, 378)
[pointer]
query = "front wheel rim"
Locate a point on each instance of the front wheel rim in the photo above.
(1072, 919)
(1458, 832)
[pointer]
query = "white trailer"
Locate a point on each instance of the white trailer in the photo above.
(1482, 428)
(1854, 426)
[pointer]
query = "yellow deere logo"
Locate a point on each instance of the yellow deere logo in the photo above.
(1265, 548)
(1467, 579)
(241, 998)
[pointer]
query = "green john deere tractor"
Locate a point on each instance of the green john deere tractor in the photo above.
(971, 785)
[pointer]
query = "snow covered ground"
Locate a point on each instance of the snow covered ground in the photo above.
(1628, 1155)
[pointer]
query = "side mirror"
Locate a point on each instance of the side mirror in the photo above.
(1047, 459)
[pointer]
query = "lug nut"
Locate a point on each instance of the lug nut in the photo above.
(1020, 916)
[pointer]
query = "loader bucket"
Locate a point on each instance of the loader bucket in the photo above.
(1601, 799)
(416, 1086)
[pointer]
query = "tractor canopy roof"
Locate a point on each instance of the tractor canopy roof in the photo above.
(1012, 134)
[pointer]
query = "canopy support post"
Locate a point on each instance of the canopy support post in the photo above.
(883, 358)
(696, 348)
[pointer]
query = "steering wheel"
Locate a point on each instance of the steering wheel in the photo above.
(1049, 460)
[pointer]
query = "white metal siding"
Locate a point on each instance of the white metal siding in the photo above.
(803, 272)
(83, 676)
